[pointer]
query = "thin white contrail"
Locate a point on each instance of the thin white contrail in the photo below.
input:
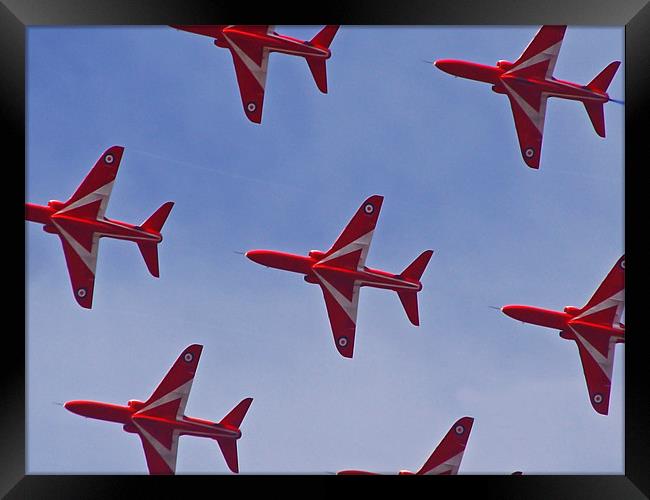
(218, 171)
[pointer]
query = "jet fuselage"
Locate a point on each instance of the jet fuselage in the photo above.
(313, 264)
(49, 216)
(273, 42)
(499, 77)
(128, 417)
(561, 321)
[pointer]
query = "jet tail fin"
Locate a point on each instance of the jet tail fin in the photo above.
(597, 116)
(410, 303)
(149, 253)
(157, 220)
(600, 84)
(229, 450)
(319, 72)
(148, 249)
(229, 446)
(415, 270)
(237, 414)
(325, 36)
(323, 39)
(604, 78)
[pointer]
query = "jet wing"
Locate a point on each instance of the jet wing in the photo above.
(168, 401)
(350, 250)
(539, 58)
(446, 458)
(597, 357)
(91, 197)
(606, 305)
(211, 30)
(251, 64)
(529, 111)
(170, 397)
(342, 300)
(80, 249)
(160, 444)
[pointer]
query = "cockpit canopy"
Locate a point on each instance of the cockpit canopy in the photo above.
(55, 204)
(504, 65)
(135, 404)
(316, 254)
(573, 311)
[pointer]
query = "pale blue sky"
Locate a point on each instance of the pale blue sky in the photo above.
(444, 154)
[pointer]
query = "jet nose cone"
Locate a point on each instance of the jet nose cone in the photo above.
(442, 64)
(258, 256)
(515, 312)
(507, 310)
(72, 406)
(451, 66)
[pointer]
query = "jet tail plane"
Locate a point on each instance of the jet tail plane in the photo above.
(229, 449)
(319, 72)
(600, 84)
(415, 270)
(325, 36)
(149, 250)
(604, 78)
(409, 298)
(228, 446)
(316, 64)
(159, 217)
(237, 414)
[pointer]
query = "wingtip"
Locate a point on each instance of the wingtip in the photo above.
(116, 150)
(195, 349)
(377, 199)
(465, 420)
(85, 302)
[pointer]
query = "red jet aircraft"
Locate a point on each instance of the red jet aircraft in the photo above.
(341, 272)
(445, 459)
(595, 328)
(528, 82)
(80, 222)
(160, 420)
(250, 47)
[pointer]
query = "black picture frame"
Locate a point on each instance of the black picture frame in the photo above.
(17, 15)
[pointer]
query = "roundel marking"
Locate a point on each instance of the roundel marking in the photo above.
(109, 158)
(343, 341)
(459, 429)
(598, 398)
(251, 106)
(369, 208)
(81, 293)
(623, 264)
(188, 357)
(530, 152)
